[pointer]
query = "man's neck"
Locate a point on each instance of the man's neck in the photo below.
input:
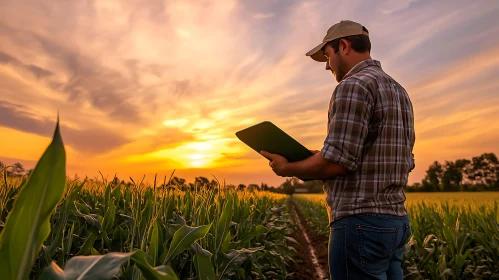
(358, 58)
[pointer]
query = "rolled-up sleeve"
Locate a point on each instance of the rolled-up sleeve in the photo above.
(348, 123)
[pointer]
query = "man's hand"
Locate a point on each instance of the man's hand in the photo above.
(278, 163)
(314, 151)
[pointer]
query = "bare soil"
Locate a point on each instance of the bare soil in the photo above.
(304, 267)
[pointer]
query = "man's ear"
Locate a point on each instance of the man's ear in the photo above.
(344, 46)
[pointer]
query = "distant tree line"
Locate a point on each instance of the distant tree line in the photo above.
(15, 170)
(203, 182)
(481, 173)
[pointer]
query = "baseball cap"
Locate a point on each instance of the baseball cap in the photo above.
(341, 29)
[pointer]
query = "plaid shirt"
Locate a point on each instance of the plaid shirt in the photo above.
(370, 133)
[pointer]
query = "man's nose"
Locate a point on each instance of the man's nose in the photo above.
(327, 66)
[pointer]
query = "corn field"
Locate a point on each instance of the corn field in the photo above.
(455, 235)
(54, 229)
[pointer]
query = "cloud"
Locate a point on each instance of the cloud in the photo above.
(153, 77)
(164, 138)
(38, 72)
(95, 140)
(85, 80)
(263, 16)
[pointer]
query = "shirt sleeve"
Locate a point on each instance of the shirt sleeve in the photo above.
(348, 124)
(413, 163)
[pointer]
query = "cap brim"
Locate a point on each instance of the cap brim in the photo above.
(317, 54)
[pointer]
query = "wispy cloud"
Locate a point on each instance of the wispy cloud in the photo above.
(144, 87)
(263, 16)
(94, 140)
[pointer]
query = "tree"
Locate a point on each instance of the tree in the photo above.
(253, 187)
(431, 182)
(176, 181)
(416, 187)
(18, 169)
(213, 184)
(202, 181)
(484, 171)
(288, 187)
(462, 165)
(452, 175)
(241, 187)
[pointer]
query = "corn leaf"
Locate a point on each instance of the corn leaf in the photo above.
(163, 272)
(98, 267)
(154, 246)
(102, 267)
(183, 239)
(223, 225)
(28, 223)
(259, 229)
(202, 263)
(235, 258)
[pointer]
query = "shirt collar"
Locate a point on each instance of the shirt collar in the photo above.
(361, 65)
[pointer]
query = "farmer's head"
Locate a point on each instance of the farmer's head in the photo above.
(346, 43)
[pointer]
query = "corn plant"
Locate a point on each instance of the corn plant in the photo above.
(454, 236)
(99, 230)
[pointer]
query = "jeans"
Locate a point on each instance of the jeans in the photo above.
(368, 246)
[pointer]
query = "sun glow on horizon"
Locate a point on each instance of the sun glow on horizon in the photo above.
(200, 154)
(126, 107)
(176, 123)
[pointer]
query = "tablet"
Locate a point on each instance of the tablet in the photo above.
(268, 137)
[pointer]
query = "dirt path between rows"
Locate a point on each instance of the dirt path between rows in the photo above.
(312, 251)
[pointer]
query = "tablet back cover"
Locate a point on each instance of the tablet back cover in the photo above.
(268, 137)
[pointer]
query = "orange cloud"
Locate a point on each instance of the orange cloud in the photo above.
(152, 87)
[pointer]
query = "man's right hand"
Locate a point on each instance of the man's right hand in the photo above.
(314, 151)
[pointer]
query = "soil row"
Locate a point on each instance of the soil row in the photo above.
(312, 251)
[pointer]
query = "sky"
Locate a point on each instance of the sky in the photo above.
(149, 87)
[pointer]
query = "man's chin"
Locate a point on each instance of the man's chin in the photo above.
(339, 78)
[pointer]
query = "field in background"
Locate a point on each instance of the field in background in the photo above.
(462, 198)
(212, 232)
(454, 235)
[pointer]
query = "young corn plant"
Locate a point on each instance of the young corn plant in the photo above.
(28, 225)
(458, 240)
(101, 230)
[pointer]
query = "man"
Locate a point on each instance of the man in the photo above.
(365, 161)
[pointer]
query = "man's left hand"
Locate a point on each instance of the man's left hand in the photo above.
(278, 163)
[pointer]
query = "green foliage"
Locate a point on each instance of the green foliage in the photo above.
(481, 173)
(183, 238)
(203, 264)
(102, 267)
(28, 222)
(449, 241)
(104, 230)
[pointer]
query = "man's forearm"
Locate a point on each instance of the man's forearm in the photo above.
(315, 167)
